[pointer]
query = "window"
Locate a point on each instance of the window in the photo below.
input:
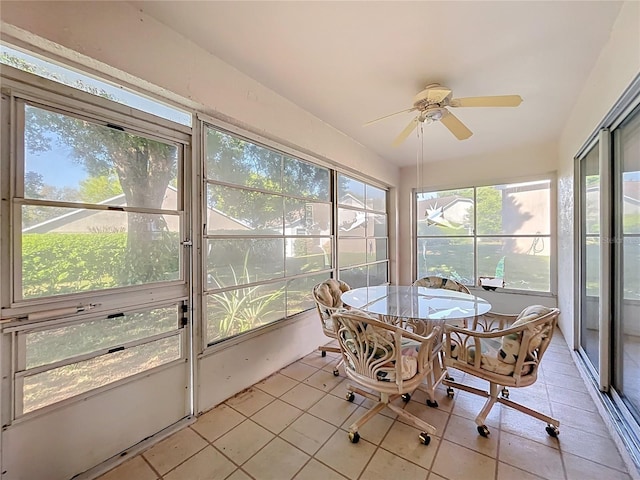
(268, 234)
(363, 257)
(63, 361)
(100, 206)
(500, 231)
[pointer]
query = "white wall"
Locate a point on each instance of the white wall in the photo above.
(505, 166)
(234, 369)
(617, 65)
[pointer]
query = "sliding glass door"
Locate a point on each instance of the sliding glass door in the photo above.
(626, 281)
(608, 173)
(590, 256)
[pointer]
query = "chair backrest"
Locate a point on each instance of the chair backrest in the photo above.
(441, 282)
(379, 355)
(327, 297)
(533, 330)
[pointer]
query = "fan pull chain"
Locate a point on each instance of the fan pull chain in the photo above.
(420, 158)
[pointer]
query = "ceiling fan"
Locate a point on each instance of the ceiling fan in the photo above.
(432, 102)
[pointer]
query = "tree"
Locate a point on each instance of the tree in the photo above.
(33, 183)
(34, 187)
(236, 161)
(489, 210)
(100, 188)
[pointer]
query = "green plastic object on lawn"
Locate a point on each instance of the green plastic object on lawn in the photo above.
(500, 269)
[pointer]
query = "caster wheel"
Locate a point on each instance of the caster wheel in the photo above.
(354, 437)
(433, 404)
(483, 431)
(553, 431)
(350, 397)
(449, 392)
(406, 397)
(336, 372)
(504, 392)
(425, 439)
(323, 353)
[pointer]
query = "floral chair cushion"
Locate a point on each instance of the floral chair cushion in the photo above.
(440, 282)
(409, 368)
(490, 359)
(510, 346)
(328, 293)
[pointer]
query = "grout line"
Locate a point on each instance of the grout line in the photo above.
(151, 466)
(186, 459)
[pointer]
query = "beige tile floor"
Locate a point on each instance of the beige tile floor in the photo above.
(293, 424)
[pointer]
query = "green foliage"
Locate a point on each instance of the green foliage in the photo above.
(33, 184)
(489, 210)
(236, 311)
(100, 188)
(59, 263)
(631, 223)
(54, 264)
(521, 271)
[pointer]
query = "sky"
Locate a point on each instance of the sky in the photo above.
(56, 167)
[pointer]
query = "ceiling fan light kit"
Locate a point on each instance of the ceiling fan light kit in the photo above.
(431, 105)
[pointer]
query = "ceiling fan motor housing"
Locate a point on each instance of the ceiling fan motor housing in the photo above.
(433, 114)
(434, 94)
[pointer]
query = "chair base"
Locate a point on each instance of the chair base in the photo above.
(493, 398)
(384, 400)
(326, 348)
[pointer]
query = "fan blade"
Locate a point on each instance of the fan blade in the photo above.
(406, 132)
(497, 101)
(390, 115)
(455, 126)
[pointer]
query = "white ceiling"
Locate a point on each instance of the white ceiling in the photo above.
(350, 62)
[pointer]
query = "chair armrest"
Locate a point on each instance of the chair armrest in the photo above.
(434, 333)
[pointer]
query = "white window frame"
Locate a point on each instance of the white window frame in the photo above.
(215, 124)
(365, 210)
(553, 271)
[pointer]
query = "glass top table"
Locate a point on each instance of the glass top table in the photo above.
(416, 302)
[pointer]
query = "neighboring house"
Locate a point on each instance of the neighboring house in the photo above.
(92, 221)
(452, 211)
(315, 221)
